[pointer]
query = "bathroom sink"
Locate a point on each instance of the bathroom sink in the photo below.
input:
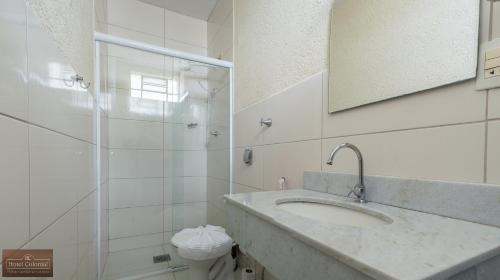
(336, 212)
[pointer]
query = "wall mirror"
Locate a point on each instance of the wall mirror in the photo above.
(381, 49)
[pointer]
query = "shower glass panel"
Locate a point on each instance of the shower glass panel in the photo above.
(165, 155)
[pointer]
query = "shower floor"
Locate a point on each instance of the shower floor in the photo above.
(136, 263)
(128, 264)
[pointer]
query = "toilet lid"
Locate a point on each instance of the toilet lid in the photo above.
(202, 243)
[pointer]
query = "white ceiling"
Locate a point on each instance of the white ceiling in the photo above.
(200, 9)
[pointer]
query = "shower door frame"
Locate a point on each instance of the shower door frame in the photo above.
(124, 42)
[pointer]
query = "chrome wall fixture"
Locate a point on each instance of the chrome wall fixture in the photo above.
(268, 122)
(214, 133)
(77, 79)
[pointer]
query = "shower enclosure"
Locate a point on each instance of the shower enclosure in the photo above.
(165, 148)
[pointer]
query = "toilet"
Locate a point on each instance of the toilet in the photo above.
(202, 247)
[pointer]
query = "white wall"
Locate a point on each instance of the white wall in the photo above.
(48, 146)
(450, 133)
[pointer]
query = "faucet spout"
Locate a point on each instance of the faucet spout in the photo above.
(359, 188)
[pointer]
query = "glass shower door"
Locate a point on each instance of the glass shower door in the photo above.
(166, 146)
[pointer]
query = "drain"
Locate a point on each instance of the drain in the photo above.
(161, 258)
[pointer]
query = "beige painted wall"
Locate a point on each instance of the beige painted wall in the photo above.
(450, 133)
(277, 44)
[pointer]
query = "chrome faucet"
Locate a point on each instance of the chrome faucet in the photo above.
(359, 189)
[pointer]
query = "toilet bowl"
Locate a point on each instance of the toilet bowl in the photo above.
(201, 247)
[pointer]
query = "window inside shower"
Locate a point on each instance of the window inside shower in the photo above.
(165, 155)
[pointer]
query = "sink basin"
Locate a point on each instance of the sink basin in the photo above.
(336, 212)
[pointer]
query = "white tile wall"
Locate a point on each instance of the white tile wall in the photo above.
(216, 216)
(186, 189)
(189, 215)
(124, 106)
(167, 220)
(192, 111)
(193, 31)
(179, 137)
(290, 121)
(135, 192)
(176, 31)
(220, 30)
(132, 134)
(494, 104)
(137, 16)
(247, 128)
(289, 160)
(244, 189)
(135, 242)
(218, 160)
(135, 163)
(53, 102)
(61, 173)
(216, 189)
(457, 103)
(219, 37)
(62, 237)
(249, 175)
(185, 163)
(222, 44)
(495, 21)
(86, 238)
(14, 183)
(452, 153)
(132, 54)
(13, 59)
(120, 69)
(176, 45)
(385, 132)
(135, 221)
(493, 156)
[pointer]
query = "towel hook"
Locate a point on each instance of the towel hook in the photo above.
(80, 80)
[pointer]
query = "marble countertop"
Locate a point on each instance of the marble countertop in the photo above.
(415, 246)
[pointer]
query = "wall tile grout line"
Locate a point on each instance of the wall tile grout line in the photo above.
(267, 98)
(59, 217)
(46, 128)
(27, 127)
(370, 133)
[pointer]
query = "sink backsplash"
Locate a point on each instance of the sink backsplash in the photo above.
(478, 203)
